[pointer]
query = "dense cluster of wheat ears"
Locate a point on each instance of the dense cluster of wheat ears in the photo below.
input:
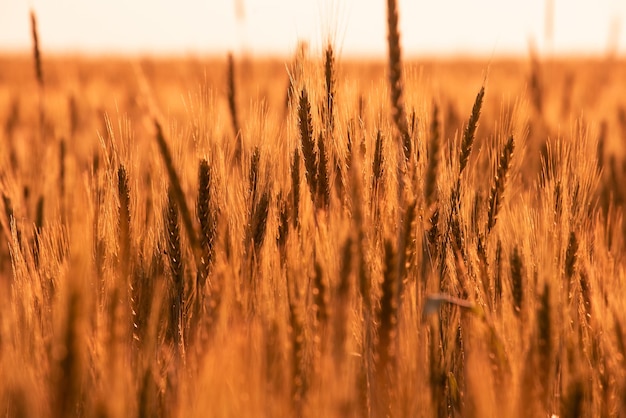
(351, 252)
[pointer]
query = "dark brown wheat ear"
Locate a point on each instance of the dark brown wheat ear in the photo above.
(257, 225)
(176, 267)
(308, 143)
(571, 255)
(469, 134)
(430, 182)
(253, 177)
(323, 181)
(38, 72)
(377, 163)
(295, 189)
(497, 190)
(124, 221)
(329, 78)
(232, 107)
(395, 78)
(207, 218)
(36, 49)
(517, 283)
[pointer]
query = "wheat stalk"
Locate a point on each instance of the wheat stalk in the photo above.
(10, 126)
(295, 188)
(387, 317)
(295, 74)
(545, 345)
(601, 147)
(74, 117)
(11, 221)
(574, 400)
(517, 284)
(177, 191)
(232, 107)
(148, 395)
(558, 200)
(39, 217)
(283, 226)
(62, 157)
(536, 88)
(66, 386)
(299, 378)
(342, 300)
(430, 182)
(124, 221)
(585, 289)
(385, 350)
(497, 283)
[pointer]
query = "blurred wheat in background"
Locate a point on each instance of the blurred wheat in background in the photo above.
(225, 237)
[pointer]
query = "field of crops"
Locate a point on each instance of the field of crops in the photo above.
(312, 237)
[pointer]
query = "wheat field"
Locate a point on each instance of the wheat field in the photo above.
(229, 237)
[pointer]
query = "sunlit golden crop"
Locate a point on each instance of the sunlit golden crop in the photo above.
(323, 237)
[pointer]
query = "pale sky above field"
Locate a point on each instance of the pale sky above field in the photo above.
(442, 27)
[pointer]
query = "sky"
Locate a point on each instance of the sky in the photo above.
(274, 27)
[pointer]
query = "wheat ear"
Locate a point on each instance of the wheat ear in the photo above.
(497, 190)
(232, 107)
(469, 134)
(395, 78)
(207, 219)
(307, 141)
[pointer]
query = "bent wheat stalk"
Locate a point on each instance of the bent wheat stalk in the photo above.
(177, 191)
